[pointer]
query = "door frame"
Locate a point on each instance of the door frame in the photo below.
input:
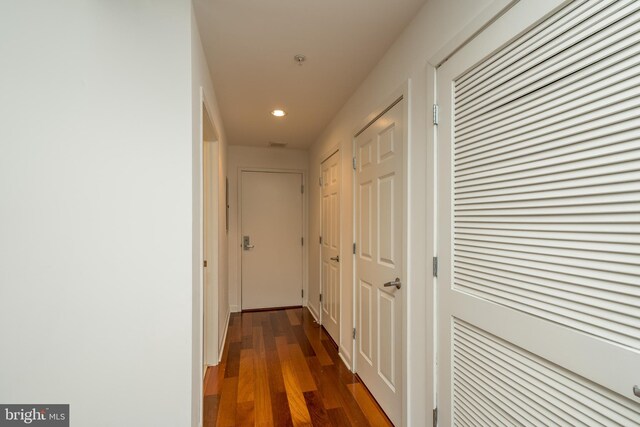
(333, 150)
(210, 289)
(305, 226)
(212, 354)
(198, 258)
(401, 94)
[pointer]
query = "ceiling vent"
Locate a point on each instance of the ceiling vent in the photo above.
(277, 144)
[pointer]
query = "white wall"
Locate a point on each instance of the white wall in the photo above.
(96, 209)
(259, 158)
(202, 91)
(438, 22)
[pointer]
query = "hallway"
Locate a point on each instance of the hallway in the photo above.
(280, 368)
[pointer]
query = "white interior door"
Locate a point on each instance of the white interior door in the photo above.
(539, 219)
(271, 239)
(330, 247)
(379, 257)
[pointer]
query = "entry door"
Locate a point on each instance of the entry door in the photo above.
(330, 247)
(271, 239)
(379, 243)
(539, 219)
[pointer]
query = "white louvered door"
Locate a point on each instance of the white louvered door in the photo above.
(539, 219)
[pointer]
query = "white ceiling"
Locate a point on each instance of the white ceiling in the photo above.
(250, 45)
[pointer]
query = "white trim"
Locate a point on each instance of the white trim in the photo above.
(330, 152)
(224, 338)
(200, 255)
(235, 308)
(492, 12)
(312, 310)
(431, 230)
(305, 228)
(204, 107)
(345, 361)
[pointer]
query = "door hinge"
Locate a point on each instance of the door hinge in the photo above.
(320, 239)
(320, 181)
(302, 189)
(354, 248)
(436, 114)
(435, 266)
(302, 241)
(354, 333)
(302, 293)
(435, 417)
(205, 263)
(354, 163)
(320, 297)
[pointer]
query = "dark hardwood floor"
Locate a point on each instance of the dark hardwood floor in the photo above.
(279, 368)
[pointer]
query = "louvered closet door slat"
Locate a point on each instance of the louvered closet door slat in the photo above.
(610, 67)
(592, 135)
(602, 406)
(571, 41)
(539, 204)
(567, 17)
(589, 101)
(531, 389)
(564, 34)
(560, 61)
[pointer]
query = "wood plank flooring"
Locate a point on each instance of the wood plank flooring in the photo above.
(279, 368)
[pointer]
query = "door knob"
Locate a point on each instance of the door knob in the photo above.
(397, 283)
(636, 390)
(335, 258)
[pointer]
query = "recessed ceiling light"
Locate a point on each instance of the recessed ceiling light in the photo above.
(279, 113)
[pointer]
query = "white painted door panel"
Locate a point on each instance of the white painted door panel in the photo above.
(272, 218)
(330, 247)
(539, 219)
(379, 257)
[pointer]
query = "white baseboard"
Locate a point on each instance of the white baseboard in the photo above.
(314, 313)
(234, 308)
(345, 361)
(224, 339)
